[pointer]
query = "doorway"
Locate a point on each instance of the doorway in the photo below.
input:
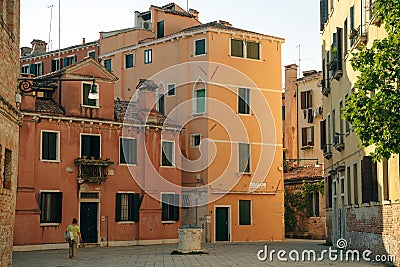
(222, 224)
(89, 222)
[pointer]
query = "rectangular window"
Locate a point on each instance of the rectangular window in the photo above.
(69, 60)
(349, 189)
(355, 183)
(306, 99)
(148, 57)
(161, 104)
(283, 113)
(7, 173)
(127, 151)
(244, 101)
(345, 37)
(322, 127)
(195, 140)
(170, 207)
(369, 180)
(329, 193)
(56, 64)
(200, 100)
(127, 207)
(171, 89)
(200, 47)
(108, 64)
(167, 158)
(313, 204)
(237, 48)
(244, 158)
(25, 69)
(90, 146)
(92, 54)
(50, 207)
(50, 145)
(160, 29)
(244, 212)
(129, 61)
(86, 88)
(36, 69)
(385, 166)
(253, 50)
(307, 136)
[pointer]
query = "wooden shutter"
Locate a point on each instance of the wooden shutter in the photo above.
(118, 208)
(244, 212)
(367, 179)
(32, 69)
(66, 61)
(122, 151)
(136, 207)
(322, 127)
(45, 145)
(303, 136)
(53, 65)
(312, 135)
(176, 207)
(323, 13)
(317, 204)
(339, 48)
(57, 216)
(303, 100)
(160, 29)
(75, 59)
(164, 207)
(95, 146)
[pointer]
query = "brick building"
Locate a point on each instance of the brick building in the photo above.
(94, 159)
(9, 123)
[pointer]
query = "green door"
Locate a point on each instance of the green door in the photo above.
(222, 224)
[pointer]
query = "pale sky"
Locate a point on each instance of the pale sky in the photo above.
(295, 20)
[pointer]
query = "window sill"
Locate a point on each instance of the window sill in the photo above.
(126, 222)
(168, 222)
(245, 173)
(168, 167)
(387, 202)
(50, 161)
(245, 114)
(127, 164)
(200, 55)
(306, 147)
(198, 114)
(85, 106)
(49, 224)
(251, 59)
(245, 225)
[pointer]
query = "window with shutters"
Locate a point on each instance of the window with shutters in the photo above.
(283, 113)
(349, 189)
(253, 50)
(160, 107)
(244, 212)
(307, 136)
(25, 69)
(329, 191)
(306, 99)
(171, 89)
(90, 146)
(160, 29)
(244, 101)
(169, 207)
(86, 88)
(127, 207)
(195, 140)
(345, 37)
(50, 207)
(92, 54)
(7, 171)
(312, 204)
(323, 13)
(50, 146)
(148, 56)
(69, 60)
(200, 101)
(167, 154)
(56, 64)
(355, 184)
(385, 167)
(351, 24)
(237, 48)
(36, 69)
(322, 127)
(244, 158)
(108, 64)
(369, 180)
(129, 61)
(200, 47)
(127, 151)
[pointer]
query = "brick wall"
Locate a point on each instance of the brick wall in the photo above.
(9, 116)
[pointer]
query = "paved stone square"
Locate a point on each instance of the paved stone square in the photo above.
(221, 254)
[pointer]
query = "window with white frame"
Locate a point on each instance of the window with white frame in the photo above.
(69, 60)
(161, 103)
(307, 136)
(50, 145)
(237, 48)
(171, 89)
(148, 56)
(253, 50)
(195, 140)
(167, 153)
(92, 54)
(108, 64)
(50, 207)
(244, 158)
(56, 64)
(36, 69)
(127, 151)
(244, 101)
(129, 61)
(86, 88)
(25, 69)
(90, 146)
(200, 47)
(245, 49)
(244, 212)
(127, 207)
(169, 207)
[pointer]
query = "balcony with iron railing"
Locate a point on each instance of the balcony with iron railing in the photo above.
(338, 141)
(92, 170)
(359, 36)
(326, 87)
(335, 68)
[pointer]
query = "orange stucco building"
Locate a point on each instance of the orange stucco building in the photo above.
(85, 159)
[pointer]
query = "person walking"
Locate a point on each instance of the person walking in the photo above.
(77, 237)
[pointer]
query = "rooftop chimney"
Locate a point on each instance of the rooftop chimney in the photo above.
(225, 23)
(309, 72)
(38, 47)
(83, 41)
(194, 12)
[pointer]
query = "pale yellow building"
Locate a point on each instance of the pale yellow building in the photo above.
(223, 84)
(362, 196)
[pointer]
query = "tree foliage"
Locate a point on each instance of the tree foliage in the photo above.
(373, 108)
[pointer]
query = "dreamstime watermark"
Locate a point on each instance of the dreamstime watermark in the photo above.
(340, 253)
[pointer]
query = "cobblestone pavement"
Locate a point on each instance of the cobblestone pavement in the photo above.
(221, 254)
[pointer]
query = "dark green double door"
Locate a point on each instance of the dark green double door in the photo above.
(88, 223)
(222, 224)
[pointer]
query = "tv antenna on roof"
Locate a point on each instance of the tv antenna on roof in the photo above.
(51, 18)
(187, 6)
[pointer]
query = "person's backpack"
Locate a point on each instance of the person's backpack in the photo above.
(68, 236)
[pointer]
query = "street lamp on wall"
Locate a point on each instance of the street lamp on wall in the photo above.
(93, 94)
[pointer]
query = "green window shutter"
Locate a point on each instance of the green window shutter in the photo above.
(176, 207)
(133, 151)
(253, 50)
(95, 146)
(53, 65)
(200, 46)
(317, 204)
(164, 207)
(66, 62)
(244, 158)
(135, 207)
(131, 207)
(161, 104)
(33, 69)
(118, 208)
(237, 48)
(45, 145)
(244, 212)
(52, 146)
(57, 218)
(129, 61)
(160, 29)
(167, 154)
(75, 59)
(200, 101)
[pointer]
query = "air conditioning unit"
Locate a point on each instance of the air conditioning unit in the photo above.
(147, 25)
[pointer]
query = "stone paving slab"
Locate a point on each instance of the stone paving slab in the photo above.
(221, 254)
